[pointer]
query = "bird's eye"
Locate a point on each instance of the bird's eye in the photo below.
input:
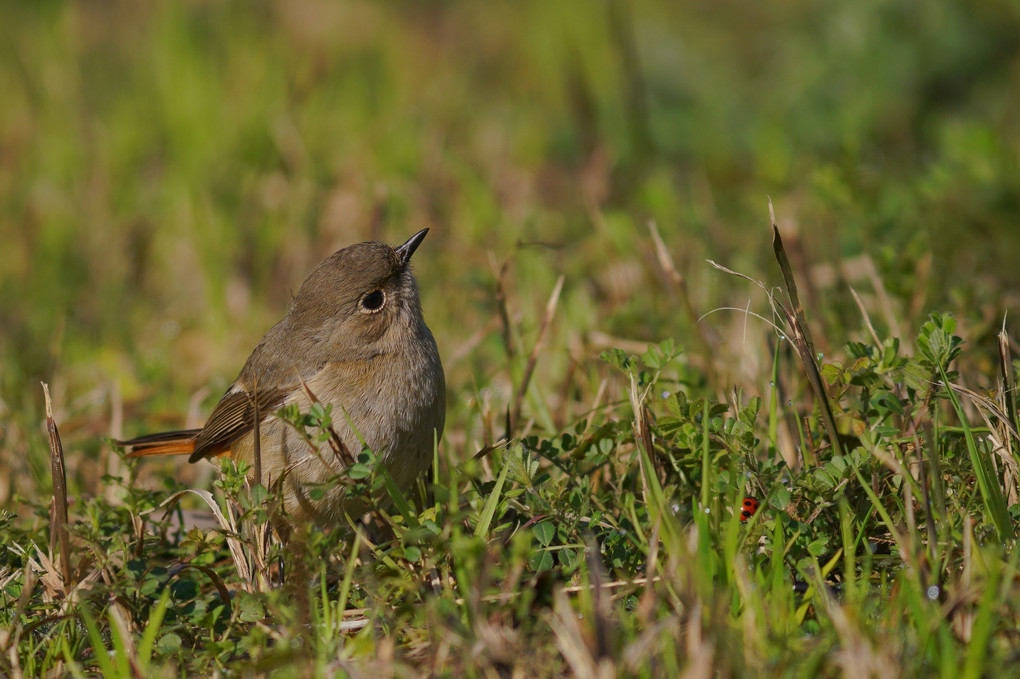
(373, 301)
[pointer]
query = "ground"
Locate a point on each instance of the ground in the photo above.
(628, 352)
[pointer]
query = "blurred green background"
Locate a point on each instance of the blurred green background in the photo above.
(170, 171)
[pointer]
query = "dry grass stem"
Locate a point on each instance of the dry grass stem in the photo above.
(256, 430)
(1007, 385)
(550, 311)
(701, 334)
(59, 539)
(800, 335)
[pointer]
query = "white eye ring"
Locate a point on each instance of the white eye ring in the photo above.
(373, 302)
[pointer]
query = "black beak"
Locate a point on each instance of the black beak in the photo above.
(407, 249)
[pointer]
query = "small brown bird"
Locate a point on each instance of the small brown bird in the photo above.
(354, 339)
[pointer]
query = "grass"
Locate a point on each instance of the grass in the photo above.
(170, 171)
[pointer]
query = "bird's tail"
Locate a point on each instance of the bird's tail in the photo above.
(167, 443)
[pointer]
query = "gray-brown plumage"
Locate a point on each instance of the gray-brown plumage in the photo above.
(356, 339)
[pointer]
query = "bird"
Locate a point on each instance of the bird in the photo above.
(354, 341)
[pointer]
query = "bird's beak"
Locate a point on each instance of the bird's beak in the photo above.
(407, 249)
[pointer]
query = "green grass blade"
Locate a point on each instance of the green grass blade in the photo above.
(485, 519)
(119, 646)
(72, 664)
(152, 628)
(879, 507)
(981, 631)
(706, 462)
(399, 500)
(99, 650)
(345, 586)
(991, 492)
(774, 399)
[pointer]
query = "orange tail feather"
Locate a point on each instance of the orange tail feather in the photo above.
(167, 443)
(182, 448)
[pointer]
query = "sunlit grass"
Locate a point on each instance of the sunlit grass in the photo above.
(169, 172)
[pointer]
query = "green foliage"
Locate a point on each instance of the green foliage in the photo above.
(170, 170)
(565, 510)
(937, 347)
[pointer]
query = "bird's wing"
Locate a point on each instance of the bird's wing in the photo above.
(234, 416)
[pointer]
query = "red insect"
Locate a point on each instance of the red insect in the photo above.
(748, 508)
